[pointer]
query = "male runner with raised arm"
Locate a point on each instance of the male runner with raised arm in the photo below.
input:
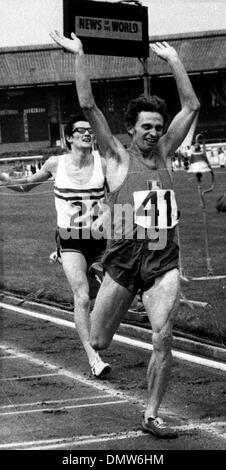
(145, 256)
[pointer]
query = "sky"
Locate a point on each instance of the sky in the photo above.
(27, 22)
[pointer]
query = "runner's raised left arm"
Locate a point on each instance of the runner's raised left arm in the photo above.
(181, 123)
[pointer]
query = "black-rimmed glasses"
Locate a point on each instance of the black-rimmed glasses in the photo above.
(82, 130)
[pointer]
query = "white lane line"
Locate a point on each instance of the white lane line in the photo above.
(119, 338)
(27, 377)
(61, 409)
(8, 357)
(180, 355)
(51, 402)
(98, 385)
(64, 443)
(41, 316)
(208, 278)
(110, 391)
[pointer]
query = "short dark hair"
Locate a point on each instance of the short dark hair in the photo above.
(68, 128)
(153, 104)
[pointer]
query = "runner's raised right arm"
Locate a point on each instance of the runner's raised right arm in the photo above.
(106, 141)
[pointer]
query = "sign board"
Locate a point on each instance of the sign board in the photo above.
(108, 28)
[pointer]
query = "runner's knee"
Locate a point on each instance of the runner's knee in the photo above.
(162, 341)
(99, 342)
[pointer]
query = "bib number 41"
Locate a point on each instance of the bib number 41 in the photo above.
(155, 209)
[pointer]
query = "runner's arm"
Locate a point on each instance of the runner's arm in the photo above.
(27, 183)
(181, 123)
(108, 144)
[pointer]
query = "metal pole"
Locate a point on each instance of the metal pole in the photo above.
(59, 116)
(146, 77)
(203, 206)
(183, 277)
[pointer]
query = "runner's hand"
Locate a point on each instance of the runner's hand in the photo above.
(4, 179)
(221, 203)
(73, 45)
(164, 51)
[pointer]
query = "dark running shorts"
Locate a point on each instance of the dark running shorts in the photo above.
(91, 248)
(132, 265)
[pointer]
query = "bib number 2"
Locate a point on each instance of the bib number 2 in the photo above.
(87, 212)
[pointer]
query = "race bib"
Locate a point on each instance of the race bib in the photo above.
(155, 209)
(83, 213)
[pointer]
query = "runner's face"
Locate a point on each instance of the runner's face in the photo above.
(82, 135)
(148, 130)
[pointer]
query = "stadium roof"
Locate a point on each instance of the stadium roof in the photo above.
(49, 64)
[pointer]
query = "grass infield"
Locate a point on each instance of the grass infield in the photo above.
(27, 228)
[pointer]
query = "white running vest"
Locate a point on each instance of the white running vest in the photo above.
(77, 205)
